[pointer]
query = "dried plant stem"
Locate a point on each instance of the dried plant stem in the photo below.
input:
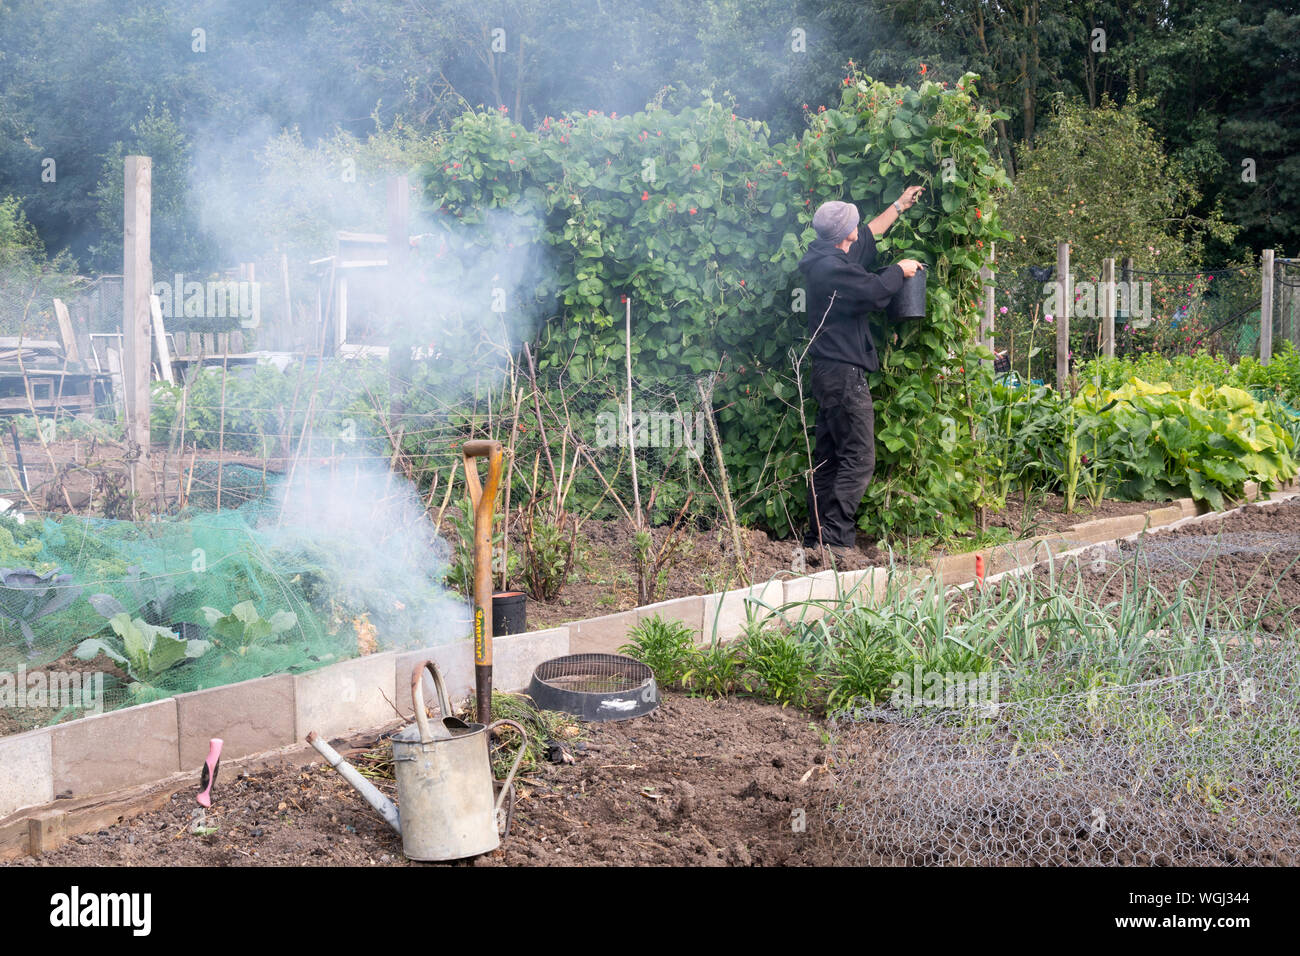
(631, 442)
(221, 426)
(705, 387)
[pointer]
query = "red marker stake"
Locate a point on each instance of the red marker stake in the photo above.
(979, 569)
(210, 767)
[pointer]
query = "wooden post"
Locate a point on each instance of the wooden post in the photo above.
(986, 325)
(248, 273)
(1065, 297)
(1108, 308)
(1266, 308)
(65, 332)
(137, 317)
(399, 256)
(1122, 316)
(1287, 303)
(160, 333)
(286, 337)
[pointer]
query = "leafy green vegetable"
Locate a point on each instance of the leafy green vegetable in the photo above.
(145, 651)
(26, 596)
(244, 626)
(1205, 441)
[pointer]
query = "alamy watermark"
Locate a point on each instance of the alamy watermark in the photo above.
(211, 299)
(923, 688)
(1132, 300)
(56, 690)
(651, 430)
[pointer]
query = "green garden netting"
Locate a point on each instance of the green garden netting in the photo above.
(292, 579)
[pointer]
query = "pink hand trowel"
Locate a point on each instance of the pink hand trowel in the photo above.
(210, 768)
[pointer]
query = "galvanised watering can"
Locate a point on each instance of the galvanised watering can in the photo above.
(444, 781)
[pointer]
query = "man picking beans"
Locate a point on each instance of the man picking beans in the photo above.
(842, 293)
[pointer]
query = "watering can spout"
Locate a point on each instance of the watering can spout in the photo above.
(386, 808)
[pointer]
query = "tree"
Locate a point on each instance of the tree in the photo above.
(27, 276)
(1018, 48)
(1100, 180)
(179, 243)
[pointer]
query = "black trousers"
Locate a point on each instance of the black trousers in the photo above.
(845, 453)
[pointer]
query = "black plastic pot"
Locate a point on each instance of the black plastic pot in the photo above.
(509, 613)
(909, 301)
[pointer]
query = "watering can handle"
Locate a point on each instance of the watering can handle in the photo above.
(519, 758)
(417, 697)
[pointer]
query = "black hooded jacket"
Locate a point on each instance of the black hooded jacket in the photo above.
(842, 335)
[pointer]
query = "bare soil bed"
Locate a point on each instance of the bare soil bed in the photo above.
(697, 782)
(18, 719)
(1049, 514)
(1249, 559)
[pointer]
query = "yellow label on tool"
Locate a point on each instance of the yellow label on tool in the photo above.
(480, 651)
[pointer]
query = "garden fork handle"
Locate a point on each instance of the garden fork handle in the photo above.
(483, 499)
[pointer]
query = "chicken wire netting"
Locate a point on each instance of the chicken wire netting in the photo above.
(97, 614)
(1193, 551)
(1200, 768)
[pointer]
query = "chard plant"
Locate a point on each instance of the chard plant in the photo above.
(1205, 441)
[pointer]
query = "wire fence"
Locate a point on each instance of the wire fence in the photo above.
(1286, 302)
(1216, 309)
(1198, 769)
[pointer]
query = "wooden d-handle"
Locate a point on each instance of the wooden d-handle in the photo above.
(484, 501)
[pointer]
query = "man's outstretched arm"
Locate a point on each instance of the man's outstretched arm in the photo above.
(881, 223)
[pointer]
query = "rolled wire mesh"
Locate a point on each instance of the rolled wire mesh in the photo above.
(1193, 769)
(1196, 550)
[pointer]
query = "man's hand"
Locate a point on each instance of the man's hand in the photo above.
(910, 195)
(909, 267)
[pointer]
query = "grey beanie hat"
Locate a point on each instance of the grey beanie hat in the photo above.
(835, 220)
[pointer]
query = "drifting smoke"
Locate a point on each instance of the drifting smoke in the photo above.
(368, 534)
(463, 304)
(258, 89)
